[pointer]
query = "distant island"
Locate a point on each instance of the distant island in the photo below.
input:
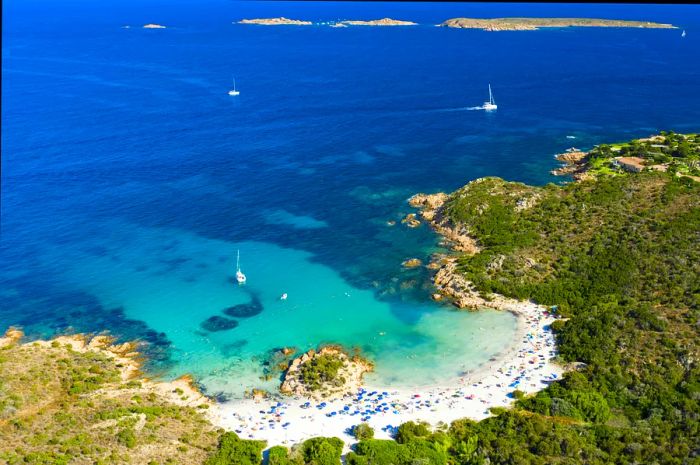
(153, 26)
(492, 24)
(533, 24)
(380, 22)
(281, 21)
(295, 22)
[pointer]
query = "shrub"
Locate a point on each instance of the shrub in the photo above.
(363, 431)
(411, 430)
(322, 451)
(235, 451)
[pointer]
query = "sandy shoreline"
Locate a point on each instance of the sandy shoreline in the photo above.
(526, 365)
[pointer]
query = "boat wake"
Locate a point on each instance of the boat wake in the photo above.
(459, 109)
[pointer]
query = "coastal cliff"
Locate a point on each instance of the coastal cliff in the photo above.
(533, 24)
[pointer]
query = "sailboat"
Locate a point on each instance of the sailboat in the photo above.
(240, 277)
(491, 104)
(234, 92)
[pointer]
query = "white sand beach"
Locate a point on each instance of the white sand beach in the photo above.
(526, 365)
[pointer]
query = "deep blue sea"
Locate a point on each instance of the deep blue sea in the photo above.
(130, 178)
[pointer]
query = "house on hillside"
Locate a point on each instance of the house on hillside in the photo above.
(631, 164)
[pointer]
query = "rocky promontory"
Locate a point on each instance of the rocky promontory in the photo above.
(573, 164)
(431, 209)
(281, 21)
(327, 373)
(533, 24)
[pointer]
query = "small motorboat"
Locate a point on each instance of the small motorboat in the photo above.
(283, 296)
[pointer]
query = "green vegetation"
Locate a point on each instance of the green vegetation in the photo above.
(362, 431)
(414, 444)
(677, 153)
(620, 257)
(321, 371)
(234, 451)
(61, 406)
(314, 451)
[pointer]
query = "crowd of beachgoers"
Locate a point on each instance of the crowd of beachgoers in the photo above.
(526, 366)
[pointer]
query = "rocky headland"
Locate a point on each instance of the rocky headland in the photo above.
(330, 372)
(574, 163)
(281, 21)
(431, 210)
(533, 24)
(448, 280)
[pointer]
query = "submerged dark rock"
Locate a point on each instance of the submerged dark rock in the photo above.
(44, 310)
(218, 323)
(248, 310)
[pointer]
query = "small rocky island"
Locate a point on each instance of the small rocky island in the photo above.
(533, 24)
(379, 22)
(281, 21)
(153, 26)
(326, 373)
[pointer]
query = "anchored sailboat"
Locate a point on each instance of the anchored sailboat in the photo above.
(240, 277)
(234, 92)
(491, 104)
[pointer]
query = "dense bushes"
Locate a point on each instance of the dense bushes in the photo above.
(322, 451)
(321, 370)
(621, 258)
(362, 431)
(234, 451)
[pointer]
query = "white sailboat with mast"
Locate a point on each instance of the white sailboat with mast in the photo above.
(234, 92)
(240, 277)
(491, 104)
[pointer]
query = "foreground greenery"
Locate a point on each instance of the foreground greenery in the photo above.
(619, 257)
(60, 406)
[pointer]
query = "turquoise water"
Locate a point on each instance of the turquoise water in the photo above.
(130, 178)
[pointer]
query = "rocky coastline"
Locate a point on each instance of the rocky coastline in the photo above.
(448, 281)
(181, 391)
(574, 163)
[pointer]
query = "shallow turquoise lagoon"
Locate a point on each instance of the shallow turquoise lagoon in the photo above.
(174, 280)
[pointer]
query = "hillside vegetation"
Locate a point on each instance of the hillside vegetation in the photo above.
(62, 406)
